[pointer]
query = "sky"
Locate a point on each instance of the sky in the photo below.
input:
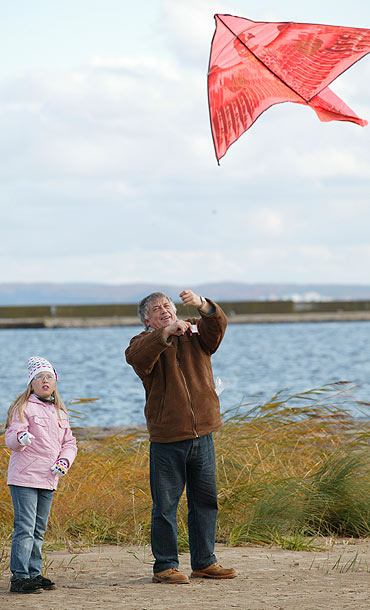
(107, 165)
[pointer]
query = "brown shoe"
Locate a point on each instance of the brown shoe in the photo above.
(214, 571)
(171, 577)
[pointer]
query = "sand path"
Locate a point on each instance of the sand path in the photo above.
(269, 579)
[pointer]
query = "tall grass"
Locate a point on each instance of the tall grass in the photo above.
(288, 471)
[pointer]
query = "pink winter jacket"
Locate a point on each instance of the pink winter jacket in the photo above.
(29, 465)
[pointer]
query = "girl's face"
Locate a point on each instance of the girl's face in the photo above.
(44, 385)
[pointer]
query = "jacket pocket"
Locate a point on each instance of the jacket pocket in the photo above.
(40, 421)
(24, 464)
(62, 428)
(159, 413)
(39, 426)
(153, 413)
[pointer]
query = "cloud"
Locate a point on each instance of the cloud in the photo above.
(278, 264)
(189, 27)
(267, 221)
(333, 162)
(111, 165)
(118, 117)
(137, 66)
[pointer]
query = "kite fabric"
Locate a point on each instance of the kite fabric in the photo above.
(254, 65)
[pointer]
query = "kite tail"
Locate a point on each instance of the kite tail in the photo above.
(329, 107)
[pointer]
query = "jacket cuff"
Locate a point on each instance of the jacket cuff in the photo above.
(161, 339)
(209, 313)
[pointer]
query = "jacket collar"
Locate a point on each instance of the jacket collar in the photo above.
(35, 398)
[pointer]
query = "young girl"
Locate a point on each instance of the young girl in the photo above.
(43, 449)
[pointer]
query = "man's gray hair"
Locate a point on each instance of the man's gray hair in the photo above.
(146, 302)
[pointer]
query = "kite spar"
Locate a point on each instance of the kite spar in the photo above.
(254, 65)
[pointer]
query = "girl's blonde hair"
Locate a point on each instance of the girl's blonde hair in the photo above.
(19, 404)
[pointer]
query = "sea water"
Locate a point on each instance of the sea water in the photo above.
(254, 361)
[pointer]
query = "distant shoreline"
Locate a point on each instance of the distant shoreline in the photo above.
(260, 318)
(100, 433)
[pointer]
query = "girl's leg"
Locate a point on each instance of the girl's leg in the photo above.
(44, 500)
(25, 509)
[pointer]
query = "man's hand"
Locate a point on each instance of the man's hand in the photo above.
(176, 328)
(189, 297)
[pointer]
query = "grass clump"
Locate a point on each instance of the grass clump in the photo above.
(288, 471)
(337, 500)
(293, 469)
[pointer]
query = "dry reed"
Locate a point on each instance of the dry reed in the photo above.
(286, 474)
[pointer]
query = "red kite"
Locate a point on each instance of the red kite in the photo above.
(254, 65)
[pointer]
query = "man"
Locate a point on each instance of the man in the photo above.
(173, 360)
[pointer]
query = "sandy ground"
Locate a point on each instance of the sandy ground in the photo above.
(269, 579)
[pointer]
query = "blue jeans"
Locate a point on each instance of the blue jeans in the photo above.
(172, 465)
(31, 514)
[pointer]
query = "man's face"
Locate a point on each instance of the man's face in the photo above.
(160, 314)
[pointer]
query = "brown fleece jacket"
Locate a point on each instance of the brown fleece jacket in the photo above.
(181, 401)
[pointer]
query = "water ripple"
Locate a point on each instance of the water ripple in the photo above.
(254, 359)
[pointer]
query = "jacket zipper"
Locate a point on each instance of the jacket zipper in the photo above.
(188, 393)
